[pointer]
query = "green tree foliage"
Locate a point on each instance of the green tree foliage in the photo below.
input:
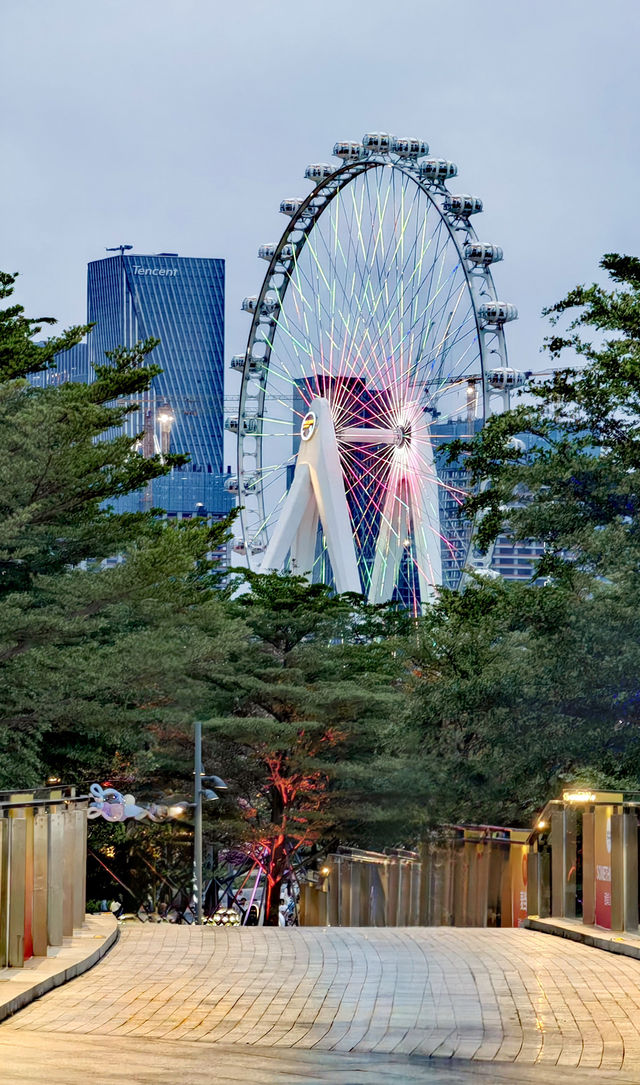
(310, 730)
(96, 662)
(59, 460)
(582, 505)
(20, 355)
(520, 688)
(85, 651)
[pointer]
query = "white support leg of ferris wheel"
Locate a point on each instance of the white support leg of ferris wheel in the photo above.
(394, 528)
(427, 538)
(317, 493)
(296, 502)
(303, 547)
(410, 516)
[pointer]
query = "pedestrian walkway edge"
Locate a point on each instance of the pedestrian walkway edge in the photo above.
(20, 986)
(624, 944)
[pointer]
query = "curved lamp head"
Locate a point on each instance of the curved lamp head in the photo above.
(217, 782)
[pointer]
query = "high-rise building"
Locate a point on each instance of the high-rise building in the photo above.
(456, 531)
(517, 560)
(513, 560)
(71, 365)
(180, 301)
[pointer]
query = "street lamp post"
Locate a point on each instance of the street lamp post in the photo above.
(197, 800)
(198, 794)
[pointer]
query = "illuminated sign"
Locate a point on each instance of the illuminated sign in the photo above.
(602, 856)
(578, 796)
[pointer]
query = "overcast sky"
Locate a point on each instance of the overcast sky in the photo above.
(179, 125)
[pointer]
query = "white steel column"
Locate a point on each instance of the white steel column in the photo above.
(303, 547)
(410, 515)
(318, 470)
(293, 510)
(394, 529)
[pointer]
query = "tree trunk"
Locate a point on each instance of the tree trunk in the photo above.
(277, 862)
(272, 906)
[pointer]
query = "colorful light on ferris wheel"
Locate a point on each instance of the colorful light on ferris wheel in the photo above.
(367, 352)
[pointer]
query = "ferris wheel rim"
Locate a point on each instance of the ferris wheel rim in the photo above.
(302, 223)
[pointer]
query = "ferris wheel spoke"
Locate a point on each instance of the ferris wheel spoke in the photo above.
(430, 473)
(375, 342)
(301, 341)
(368, 498)
(375, 299)
(270, 473)
(317, 337)
(417, 281)
(441, 346)
(360, 460)
(292, 385)
(285, 327)
(415, 373)
(401, 267)
(345, 319)
(433, 274)
(307, 309)
(350, 289)
(436, 388)
(453, 334)
(449, 306)
(465, 367)
(362, 297)
(434, 374)
(348, 296)
(269, 519)
(362, 270)
(376, 332)
(438, 298)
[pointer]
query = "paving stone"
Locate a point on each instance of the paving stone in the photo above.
(315, 1004)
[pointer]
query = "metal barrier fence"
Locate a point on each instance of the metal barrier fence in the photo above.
(43, 858)
(583, 860)
(471, 876)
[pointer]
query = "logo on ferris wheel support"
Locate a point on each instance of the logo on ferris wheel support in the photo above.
(308, 427)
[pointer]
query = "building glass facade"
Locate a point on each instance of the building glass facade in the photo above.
(455, 530)
(180, 301)
(71, 365)
(513, 560)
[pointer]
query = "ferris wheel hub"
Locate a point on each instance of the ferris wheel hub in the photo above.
(402, 436)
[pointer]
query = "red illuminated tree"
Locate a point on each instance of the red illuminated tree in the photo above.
(313, 706)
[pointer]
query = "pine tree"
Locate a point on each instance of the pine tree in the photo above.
(316, 693)
(84, 650)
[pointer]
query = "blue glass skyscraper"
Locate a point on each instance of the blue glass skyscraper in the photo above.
(71, 365)
(513, 560)
(181, 302)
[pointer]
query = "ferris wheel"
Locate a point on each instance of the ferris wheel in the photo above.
(377, 337)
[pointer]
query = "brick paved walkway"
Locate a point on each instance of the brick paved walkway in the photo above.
(304, 1004)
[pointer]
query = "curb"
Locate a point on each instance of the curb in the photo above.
(608, 943)
(56, 979)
